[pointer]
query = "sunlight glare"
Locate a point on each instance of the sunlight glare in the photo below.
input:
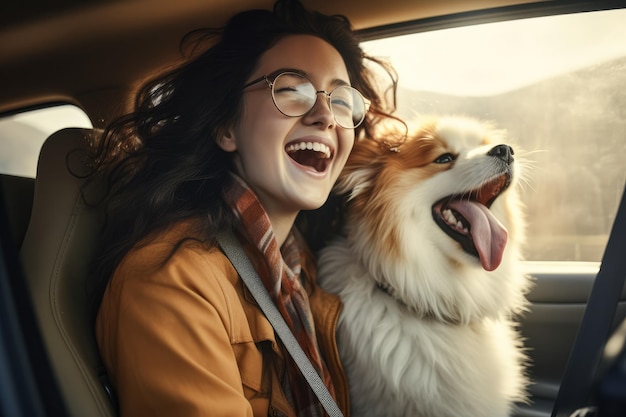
(490, 59)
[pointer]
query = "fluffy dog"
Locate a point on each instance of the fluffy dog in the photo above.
(429, 273)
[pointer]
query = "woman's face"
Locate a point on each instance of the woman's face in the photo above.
(265, 141)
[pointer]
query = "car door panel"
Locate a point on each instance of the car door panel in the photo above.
(550, 327)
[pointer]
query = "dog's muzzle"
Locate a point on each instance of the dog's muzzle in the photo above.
(466, 217)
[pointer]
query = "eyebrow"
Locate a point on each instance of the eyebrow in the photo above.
(334, 82)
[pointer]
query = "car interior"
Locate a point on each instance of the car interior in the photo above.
(92, 54)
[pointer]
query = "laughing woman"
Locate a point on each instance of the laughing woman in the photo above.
(242, 137)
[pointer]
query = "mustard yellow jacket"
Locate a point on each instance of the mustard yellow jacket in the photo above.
(185, 338)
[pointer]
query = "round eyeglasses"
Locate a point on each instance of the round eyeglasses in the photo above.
(294, 96)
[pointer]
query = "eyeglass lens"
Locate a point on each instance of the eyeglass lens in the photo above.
(294, 96)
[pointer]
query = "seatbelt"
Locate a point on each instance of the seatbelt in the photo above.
(235, 253)
(595, 326)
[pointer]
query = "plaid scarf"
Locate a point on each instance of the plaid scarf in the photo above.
(281, 277)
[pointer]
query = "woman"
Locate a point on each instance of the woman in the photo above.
(243, 136)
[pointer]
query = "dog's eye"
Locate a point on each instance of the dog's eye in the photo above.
(446, 158)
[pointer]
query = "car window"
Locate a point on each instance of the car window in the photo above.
(23, 134)
(556, 84)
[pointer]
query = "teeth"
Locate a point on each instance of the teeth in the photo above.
(449, 217)
(309, 146)
(447, 214)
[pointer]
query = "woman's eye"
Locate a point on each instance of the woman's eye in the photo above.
(285, 89)
(446, 158)
(341, 103)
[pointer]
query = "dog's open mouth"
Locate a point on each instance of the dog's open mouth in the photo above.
(467, 219)
(312, 154)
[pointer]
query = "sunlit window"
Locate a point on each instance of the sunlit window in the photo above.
(557, 85)
(23, 134)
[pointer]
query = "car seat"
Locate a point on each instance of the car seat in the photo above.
(56, 252)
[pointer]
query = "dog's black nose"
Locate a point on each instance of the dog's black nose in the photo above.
(504, 152)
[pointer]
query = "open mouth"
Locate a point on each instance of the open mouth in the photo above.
(466, 218)
(310, 154)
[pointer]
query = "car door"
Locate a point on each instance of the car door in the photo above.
(28, 385)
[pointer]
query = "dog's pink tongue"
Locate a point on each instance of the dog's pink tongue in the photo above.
(487, 232)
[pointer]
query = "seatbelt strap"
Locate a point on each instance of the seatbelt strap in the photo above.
(235, 253)
(595, 326)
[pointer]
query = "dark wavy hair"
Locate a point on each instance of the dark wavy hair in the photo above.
(161, 161)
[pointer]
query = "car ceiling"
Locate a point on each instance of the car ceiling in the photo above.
(93, 52)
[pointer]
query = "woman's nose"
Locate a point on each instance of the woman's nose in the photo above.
(321, 112)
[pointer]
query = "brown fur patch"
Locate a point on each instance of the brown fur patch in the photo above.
(390, 173)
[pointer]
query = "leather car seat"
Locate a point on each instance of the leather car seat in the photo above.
(56, 252)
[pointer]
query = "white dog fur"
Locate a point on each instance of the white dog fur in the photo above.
(427, 329)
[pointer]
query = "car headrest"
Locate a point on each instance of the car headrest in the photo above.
(56, 253)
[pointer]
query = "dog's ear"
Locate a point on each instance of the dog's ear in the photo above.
(361, 168)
